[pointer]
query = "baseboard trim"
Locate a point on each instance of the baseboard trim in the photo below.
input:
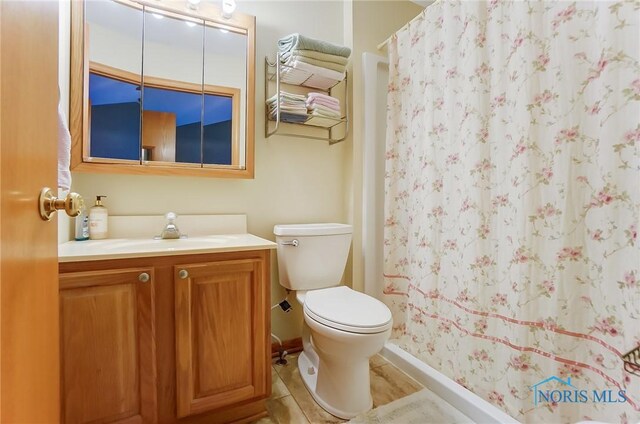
(470, 404)
(291, 346)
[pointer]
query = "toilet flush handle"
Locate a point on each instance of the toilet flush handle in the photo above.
(293, 243)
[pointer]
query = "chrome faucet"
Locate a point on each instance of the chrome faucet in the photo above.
(171, 229)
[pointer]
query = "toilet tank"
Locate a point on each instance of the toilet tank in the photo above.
(312, 256)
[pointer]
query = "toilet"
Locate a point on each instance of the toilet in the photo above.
(342, 328)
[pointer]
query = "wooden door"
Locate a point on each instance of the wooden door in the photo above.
(108, 371)
(29, 360)
(159, 135)
(222, 352)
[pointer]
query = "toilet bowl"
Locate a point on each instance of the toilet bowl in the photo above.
(335, 365)
(342, 328)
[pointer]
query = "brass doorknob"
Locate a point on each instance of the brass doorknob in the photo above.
(48, 204)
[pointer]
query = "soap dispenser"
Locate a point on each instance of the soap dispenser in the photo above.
(82, 224)
(98, 220)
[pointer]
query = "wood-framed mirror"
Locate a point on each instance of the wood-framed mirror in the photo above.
(158, 87)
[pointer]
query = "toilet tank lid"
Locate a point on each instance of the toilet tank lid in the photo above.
(312, 229)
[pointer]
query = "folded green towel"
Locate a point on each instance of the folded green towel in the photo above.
(312, 54)
(300, 42)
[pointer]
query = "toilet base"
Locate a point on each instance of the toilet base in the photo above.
(311, 380)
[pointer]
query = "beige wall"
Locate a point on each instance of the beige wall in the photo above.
(372, 23)
(296, 180)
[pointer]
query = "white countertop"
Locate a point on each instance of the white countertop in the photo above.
(96, 250)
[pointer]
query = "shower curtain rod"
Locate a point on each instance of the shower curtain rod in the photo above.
(405, 26)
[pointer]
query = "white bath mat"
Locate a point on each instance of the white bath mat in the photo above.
(422, 407)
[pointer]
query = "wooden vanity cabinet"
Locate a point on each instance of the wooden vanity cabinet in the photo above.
(107, 346)
(189, 345)
(220, 332)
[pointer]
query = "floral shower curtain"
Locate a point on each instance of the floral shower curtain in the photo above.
(513, 201)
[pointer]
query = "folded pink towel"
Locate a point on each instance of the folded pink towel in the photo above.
(320, 101)
(315, 96)
(64, 152)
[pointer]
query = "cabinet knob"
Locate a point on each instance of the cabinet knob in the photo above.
(183, 273)
(144, 277)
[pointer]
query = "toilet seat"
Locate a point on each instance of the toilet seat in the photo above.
(345, 309)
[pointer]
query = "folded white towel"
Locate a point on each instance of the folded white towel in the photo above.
(324, 72)
(313, 96)
(288, 104)
(291, 109)
(323, 110)
(321, 63)
(64, 152)
(310, 75)
(288, 97)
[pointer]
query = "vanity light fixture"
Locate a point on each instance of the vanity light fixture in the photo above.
(228, 7)
(193, 4)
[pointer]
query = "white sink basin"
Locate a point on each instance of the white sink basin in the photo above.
(93, 250)
(143, 244)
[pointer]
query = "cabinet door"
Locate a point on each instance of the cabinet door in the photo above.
(221, 334)
(107, 346)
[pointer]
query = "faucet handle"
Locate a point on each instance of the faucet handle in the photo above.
(171, 216)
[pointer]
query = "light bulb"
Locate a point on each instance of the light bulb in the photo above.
(228, 7)
(157, 16)
(224, 31)
(190, 24)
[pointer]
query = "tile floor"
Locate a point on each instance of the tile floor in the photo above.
(291, 403)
